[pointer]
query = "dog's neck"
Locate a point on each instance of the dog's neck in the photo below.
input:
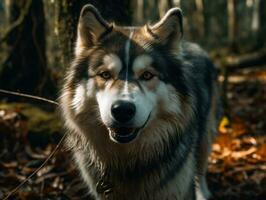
(135, 167)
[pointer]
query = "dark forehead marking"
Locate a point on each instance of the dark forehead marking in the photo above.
(116, 42)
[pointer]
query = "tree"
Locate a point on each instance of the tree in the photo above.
(232, 24)
(25, 68)
(262, 20)
(67, 18)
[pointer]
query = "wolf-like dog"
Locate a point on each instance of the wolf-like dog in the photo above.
(140, 107)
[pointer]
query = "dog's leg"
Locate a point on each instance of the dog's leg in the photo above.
(204, 151)
(206, 145)
(201, 183)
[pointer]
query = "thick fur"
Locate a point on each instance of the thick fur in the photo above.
(176, 109)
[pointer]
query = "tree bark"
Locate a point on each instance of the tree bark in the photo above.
(255, 21)
(262, 24)
(176, 3)
(163, 7)
(67, 18)
(139, 13)
(215, 22)
(200, 17)
(25, 67)
(232, 24)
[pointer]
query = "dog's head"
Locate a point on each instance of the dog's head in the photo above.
(128, 76)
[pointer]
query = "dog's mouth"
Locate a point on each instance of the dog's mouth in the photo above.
(123, 134)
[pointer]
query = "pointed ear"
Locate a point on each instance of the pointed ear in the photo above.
(169, 28)
(91, 26)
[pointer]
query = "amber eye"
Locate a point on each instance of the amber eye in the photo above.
(105, 75)
(147, 76)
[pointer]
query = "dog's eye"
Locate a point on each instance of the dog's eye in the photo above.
(105, 75)
(147, 76)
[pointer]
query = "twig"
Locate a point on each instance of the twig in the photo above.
(51, 154)
(37, 170)
(29, 96)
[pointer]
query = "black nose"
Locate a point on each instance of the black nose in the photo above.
(123, 111)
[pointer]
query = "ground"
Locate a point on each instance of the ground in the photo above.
(237, 165)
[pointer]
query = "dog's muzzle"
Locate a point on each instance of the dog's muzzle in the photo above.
(123, 111)
(123, 130)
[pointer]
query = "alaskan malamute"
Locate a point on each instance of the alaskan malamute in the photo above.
(139, 104)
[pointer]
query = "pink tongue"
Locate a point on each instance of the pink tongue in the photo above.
(122, 130)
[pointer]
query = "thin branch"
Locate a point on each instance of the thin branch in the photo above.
(51, 154)
(29, 96)
(38, 169)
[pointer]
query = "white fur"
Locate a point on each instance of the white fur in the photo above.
(144, 104)
(83, 91)
(141, 62)
(90, 88)
(169, 98)
(105, 99)
(112, 62)
(78, 101)
(79, 46)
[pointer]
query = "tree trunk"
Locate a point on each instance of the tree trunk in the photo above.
(163, 7)
(139, 12)
(151, 11)
(190, 19)
(200, 17)
(25, 66)
(262, 24)
(68, 14)
(215, 22)
(176, 3)
(232, 24)
(255, 17)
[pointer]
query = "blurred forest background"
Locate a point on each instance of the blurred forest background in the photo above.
(36, 41)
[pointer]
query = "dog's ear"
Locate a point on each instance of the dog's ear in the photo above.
(170, 28)
(91, 26)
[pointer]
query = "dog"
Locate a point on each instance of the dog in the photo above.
(140, 108)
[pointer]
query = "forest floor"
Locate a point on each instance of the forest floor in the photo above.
(237, 165)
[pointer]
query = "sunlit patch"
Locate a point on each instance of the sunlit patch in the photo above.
(112, 62)
(141, 62)
(79, 97)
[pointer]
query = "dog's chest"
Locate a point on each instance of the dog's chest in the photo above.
(112, 186)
